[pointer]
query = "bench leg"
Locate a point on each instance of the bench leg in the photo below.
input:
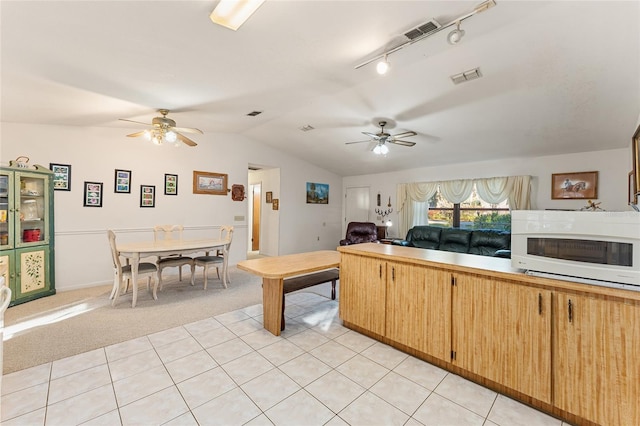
(333, 289)
(282, 325)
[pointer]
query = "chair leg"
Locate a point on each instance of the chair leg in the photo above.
(160, 278)
(206, 267)
(180, 273)
(117, 283)
(155, 286)
(193, 270)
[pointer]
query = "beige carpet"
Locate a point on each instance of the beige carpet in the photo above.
(73, 322)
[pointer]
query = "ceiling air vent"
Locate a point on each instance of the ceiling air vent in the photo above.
(422, 30)
(307, 128)
(466, 76)
(254, 113)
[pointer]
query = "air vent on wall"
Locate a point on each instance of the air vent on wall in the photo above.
(422, 30)
(466, 76)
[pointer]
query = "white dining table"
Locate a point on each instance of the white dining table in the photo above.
(134, 251)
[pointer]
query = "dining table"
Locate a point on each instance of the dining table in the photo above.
(134, 251)
(275, 269)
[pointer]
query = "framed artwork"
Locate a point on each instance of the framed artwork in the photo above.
(122, 182)
(147, 196)
(210, 183)
(275, 204)
(61, 176)
(576, 185)
(631, 198)
(237, 192)
(92, 194)
(635, 159)
(317, 193)
(170, 184)
(269, 197)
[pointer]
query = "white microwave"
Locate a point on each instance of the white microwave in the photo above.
(585, 246)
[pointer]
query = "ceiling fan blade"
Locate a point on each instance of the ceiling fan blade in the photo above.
(188, 130)
(185, 139)
(399, 142)
(137, 122)
(136, 134)
(349, 143)
(405, 134)
(371, 135)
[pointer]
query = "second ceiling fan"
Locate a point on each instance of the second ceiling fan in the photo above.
(382, 137)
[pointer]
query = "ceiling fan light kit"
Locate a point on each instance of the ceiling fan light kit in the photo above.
(233, 13)
(430, 28)
(382, 137)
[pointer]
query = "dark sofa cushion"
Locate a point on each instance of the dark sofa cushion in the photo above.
(488, 242)
(427, 237)
(456, 240)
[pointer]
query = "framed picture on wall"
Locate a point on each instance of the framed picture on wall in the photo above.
(170, 184)
(92, 194)
(275, 204)
(147, 196)
(61, 176)
(210, 183)
(576, 185)
(122, 182)
(317, 193)
(269, 197)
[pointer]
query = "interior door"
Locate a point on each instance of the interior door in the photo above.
(255, 224)
(356, 205)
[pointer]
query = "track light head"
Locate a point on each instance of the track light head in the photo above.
(456, 35)
(383, 66)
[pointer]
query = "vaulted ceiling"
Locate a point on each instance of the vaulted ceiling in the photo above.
(557, 77)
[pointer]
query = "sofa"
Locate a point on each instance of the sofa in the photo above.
(484, 242)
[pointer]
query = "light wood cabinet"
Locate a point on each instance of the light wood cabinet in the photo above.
(363, 292)
(596, 358)
(502, 331)
(419, 308)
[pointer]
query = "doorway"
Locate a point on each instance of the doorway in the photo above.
(256, 191)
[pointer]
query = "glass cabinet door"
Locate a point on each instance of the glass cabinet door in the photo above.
(6, 211)
(32, 200)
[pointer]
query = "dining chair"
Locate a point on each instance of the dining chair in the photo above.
(122, 274)
(220, 258)
(169, 232)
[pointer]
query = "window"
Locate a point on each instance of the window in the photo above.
(473, 213)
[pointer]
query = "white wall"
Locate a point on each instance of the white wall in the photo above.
(613, 167)
(81, 249)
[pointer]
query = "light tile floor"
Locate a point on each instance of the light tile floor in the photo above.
(228, 370)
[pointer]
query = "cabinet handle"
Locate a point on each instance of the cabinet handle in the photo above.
(570, 309)
(539, 303)
(393, 273)
(381, 270)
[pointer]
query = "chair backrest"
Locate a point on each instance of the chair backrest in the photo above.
(226, 233)
(361, 232)
(114, 251)
(167, 232)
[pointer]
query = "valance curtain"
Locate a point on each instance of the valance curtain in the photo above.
(517, 189)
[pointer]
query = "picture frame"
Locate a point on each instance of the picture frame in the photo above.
(122, 181)
(92, 194)
(631, 191)
(574, 185)
(635, 160)
(170, 184)
(147, 196)
(269, 197)
(210, 183)
(317, 193)
(275, 204)
(61, 176)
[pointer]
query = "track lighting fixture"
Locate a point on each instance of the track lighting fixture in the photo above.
(383, 66)
(455, 36)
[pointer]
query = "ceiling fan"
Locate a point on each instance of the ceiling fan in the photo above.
(164, 129)
(382, 137)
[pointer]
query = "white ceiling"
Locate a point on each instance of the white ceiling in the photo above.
(558, 77)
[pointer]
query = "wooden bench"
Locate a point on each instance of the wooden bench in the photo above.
(310, 280)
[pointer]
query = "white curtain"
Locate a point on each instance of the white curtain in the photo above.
(494, 190)
(456, 191)
(408, 194)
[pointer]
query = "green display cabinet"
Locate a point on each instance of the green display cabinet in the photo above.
(26, 231)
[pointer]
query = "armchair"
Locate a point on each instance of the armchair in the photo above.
(360, 232)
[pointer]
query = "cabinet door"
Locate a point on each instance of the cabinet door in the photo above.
(7, 271)
(502, 331)
(419, 308)
(6, 211)
(362, 292)
(32, 271)
(596, 368)
(32, 203)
